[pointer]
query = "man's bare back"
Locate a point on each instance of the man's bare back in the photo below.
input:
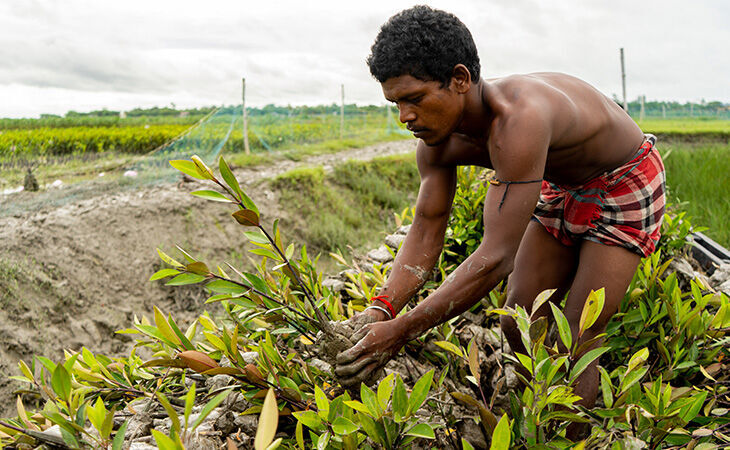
(589, 133)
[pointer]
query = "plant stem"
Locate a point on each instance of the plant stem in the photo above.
(321, 317)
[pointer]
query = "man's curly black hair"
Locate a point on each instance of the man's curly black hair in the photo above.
(425, 43)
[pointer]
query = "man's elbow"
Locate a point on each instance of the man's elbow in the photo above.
(499, 260)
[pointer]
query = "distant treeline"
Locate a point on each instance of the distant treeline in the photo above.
(658, 109)
(173, 116)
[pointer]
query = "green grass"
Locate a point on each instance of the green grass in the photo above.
(350, 206)
(692, 129)
(697, 180)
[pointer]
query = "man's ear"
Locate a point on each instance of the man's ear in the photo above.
(460, 79)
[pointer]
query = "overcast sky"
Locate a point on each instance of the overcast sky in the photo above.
(82, 55)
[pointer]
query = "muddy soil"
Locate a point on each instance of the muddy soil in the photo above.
(71, 276)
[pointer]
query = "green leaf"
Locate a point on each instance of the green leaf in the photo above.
(631, 378)
(541, 298)
(61, 382)
(385, 389)
(188, 168)
(211, 195)
(586, 360)
(185, 278)
(465, 445)
(370, 400)
(225, 287)
(256, 237)
(299, 433)
(202, 168)
(265, 252)
(211, 405)
(323, 441)
(420, 391)
(373, 429)
(97, 413)
(323, 405)
(164, 442)
(310, 419)
(422, 430)
(342, 425)
(171, 412)
(400, 400)
(164, 273)
(119, 437)
(189, 403)
(357, 406)
(229, 178)
(167, 259)
(591, 310)
(563, 326)
(606, 387)
(26, 371)
(638, 359)
(502, 436)
(268, 422)
(446, 345)
(164, 327)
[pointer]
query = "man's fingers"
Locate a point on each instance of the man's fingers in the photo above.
(359, 334)
(345, 370)
(361, 376)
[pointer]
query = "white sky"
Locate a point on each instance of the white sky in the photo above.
(82, 55)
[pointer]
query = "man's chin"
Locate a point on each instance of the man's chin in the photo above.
(435, 140)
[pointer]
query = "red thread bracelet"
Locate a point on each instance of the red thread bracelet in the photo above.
(382, 298)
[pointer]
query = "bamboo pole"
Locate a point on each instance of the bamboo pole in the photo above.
(245, 117)
(623, 80)
(342, 111)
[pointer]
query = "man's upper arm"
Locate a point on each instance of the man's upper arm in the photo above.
(435, 195)
(518, 153)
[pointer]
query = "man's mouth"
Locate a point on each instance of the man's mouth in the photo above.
(418, 132)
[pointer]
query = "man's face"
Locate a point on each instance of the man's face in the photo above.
(431, 112)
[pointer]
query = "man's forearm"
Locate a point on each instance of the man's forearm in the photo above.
(470, 282)
(412, 266)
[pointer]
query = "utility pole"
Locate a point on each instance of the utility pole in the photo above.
(623, 80)
(342, 111)
(664, 111)
(245, 118)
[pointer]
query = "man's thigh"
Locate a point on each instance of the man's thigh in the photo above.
(600, 266)
(542, 262)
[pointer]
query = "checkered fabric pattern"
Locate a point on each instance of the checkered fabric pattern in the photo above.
(622, 207)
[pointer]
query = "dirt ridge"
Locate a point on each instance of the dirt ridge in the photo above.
(70, 276)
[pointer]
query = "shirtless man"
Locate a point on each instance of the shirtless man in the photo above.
(586, 226)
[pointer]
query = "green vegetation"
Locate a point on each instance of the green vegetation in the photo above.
(688, 129)
(83, 140)
(663, 381)
(696, 180)
(348, 206)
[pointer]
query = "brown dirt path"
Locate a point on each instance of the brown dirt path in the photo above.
(71, 276)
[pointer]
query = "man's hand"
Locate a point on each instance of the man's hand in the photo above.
(377, 343)
(341, 339)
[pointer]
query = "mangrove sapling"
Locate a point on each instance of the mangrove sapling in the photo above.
(308, 310)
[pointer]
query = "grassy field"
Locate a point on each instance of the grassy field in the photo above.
(688, 128)
(697, 183)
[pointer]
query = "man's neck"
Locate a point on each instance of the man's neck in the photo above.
(477, 112)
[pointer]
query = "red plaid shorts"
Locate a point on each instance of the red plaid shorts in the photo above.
(622, 207)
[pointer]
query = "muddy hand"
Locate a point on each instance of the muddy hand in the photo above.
(377, 343)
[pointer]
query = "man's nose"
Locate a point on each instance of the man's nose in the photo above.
(406, 114)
